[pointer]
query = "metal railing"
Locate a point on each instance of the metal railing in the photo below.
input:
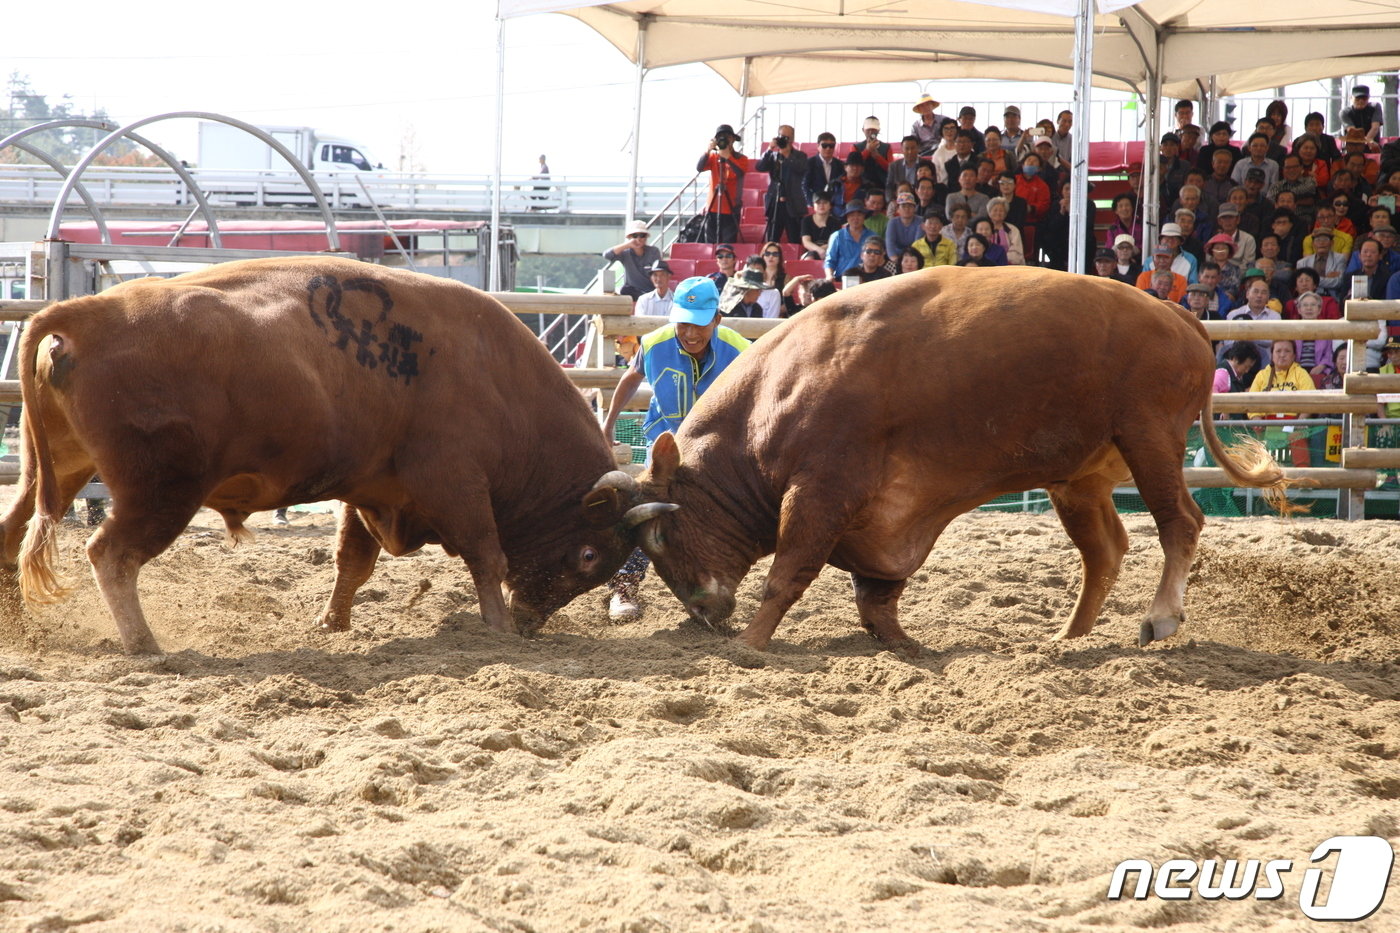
(419, 192)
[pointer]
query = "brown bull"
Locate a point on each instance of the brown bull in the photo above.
(853, 434)
(423, 404)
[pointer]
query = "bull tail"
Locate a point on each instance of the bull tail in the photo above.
(38, 555)
(1248, 463)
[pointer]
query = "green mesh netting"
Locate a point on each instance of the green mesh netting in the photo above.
(1304, 445)
(629, 431)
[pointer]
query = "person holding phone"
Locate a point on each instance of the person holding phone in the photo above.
(873, 154)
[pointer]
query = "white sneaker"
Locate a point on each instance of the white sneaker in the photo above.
(279, 518)
(623, 609)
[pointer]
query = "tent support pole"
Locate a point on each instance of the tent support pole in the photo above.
(1081, 215)
(1151, 162)
(744, 92)
(637, 118)
(494, 273)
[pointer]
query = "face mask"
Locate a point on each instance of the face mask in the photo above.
(1030, 171)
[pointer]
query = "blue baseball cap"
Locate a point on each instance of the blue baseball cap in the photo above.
(695, 302)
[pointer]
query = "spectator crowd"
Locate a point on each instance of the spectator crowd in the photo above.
(1280, 224)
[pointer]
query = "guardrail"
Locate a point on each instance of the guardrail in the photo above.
(160, 187)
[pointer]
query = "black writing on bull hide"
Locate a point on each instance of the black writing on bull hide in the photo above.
(376, 342)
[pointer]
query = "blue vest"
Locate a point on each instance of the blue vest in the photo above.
(677, 378)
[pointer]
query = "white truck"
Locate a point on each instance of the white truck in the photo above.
(238, 167)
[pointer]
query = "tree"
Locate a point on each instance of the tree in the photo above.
(23, 107)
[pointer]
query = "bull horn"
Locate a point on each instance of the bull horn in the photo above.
(645, 512)
(617, 479)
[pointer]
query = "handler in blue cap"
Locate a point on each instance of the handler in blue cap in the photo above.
(680, 361)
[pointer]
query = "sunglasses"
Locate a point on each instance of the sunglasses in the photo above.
(828, 145)
(724, 255)
(772, 253)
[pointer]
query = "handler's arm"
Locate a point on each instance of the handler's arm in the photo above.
(626, 388)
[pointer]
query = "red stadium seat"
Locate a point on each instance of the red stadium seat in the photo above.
(681, 268)
(791, 251)
(812, 267)
(844, 150)
(1106, 157)
(1133, 151)
(752, 215)
(753, 195)
(705, 267)
(811, 149)
(748, 247)
(751, 233)
(692, 250)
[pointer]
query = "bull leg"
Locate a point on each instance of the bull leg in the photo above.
(807, 530)
(11, 537)
(473, 535)
(487, 564)
(1086, 510)
(22, 509)
(15, 523)
(878, 604)
(355, 554)
(1156, 465)
(123, 544)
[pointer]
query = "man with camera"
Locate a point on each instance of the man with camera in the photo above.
(874, 154)
(727, 167)
(785, 204)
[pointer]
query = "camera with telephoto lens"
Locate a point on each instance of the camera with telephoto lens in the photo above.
(781, 141)
(723, 140)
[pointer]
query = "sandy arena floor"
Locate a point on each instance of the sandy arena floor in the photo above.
(420, 773)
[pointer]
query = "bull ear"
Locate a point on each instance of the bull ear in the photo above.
(605, 503)
(665, 460)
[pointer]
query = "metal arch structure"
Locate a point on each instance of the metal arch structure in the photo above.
(72, 180)
(17, 140)
(128, 131)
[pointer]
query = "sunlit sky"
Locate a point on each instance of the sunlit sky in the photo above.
(413, 80)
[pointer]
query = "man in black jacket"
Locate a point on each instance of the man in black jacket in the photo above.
(785, 204)
(824, 171)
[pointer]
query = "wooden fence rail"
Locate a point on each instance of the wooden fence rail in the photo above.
(612, 317)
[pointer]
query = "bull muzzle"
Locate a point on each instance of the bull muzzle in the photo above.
(527, 619)
(711, 605)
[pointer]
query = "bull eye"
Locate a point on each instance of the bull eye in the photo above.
(589, 555)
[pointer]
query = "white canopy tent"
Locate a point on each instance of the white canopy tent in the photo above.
(776, 46)
(1152, 47)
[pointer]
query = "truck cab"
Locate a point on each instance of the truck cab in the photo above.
(339, 153)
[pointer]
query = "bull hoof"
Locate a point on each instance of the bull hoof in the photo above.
(1156, 630)
(143, 648)
(505, 627)
(330, 623)
(1068, 631)
(911, 648)
(752, 640)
